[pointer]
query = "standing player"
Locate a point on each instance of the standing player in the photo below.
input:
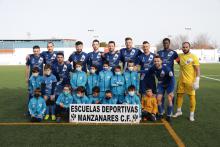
(188, 79)
(34, 60)
(62, 71)
(95, 57)
(92, 80)
(48, 91)
(49, 55)
(129, 53)
(168, 56)
(79, 55)
(146, 61)
(166, 83)
(113, 57)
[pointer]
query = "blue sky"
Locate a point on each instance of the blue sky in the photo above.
(110, 19)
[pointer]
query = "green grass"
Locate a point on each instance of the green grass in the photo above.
(205, 131)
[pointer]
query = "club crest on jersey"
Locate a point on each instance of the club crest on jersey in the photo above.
(162, 74)
(82, 58)
(132, 52)
(170, 54)
(189, 61)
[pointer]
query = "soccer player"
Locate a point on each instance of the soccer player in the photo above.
(146, 61)
(166, 83)
(108, 99)
(37, 106)
(48, 91)
(132, 97)
(34, 60)
(95, 99)
(149, 106)
(105, 79)
(113, 57)
(79, 77)
(131, 77)
(49, 55)
(168, 57)
(63, 103)
(62, 71)
(80, 97)
(117, 85)
(79, 55)
(129, 53)
(92, 80)
(188, 82)
(95, 57)
(35, 81)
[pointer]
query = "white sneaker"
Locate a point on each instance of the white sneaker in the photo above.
(191, 117)
(178, 113)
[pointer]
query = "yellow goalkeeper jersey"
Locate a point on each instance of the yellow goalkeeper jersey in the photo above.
(187, 71)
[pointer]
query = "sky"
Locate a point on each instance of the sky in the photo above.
(150, 20)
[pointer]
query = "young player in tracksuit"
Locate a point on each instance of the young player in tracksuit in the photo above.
(133, 98)
(117, 85)
(94, 98)
(79, 55)
(166, 83)
(113, 57)
(95, 57)
(80, 96)
(34, 60)
(62, 71)
(63, 103)
(37, 106)
(35, 81)
(105, 79)
(149, 106)
(168, 57)
(92, 80)
(49, 56)
(131, 77)
(146, 61)
(129, 53)
(78, 78)
(108, 98)
(48, 91)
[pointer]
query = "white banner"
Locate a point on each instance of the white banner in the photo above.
(100, 113)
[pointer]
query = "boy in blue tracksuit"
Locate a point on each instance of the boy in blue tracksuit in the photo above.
(117, 85)
(63, 103)
(108, 99)
(37, 106)
(132, 97)
(92, 80)
(94, 98)
(35, 81)
(80, 97)
(131, 77)
(105, 79)
(48, 90)
(78, 78)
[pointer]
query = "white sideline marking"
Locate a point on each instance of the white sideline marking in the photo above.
(205, 77)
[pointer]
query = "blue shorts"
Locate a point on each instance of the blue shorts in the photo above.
(169, 88)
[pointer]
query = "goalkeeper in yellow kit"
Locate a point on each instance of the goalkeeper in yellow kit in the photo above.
(188, 79)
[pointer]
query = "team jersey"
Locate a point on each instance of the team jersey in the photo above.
(113, 58)
(117, 84)
(168, 56)
(37, 106)
(50, 83)
(187, 63)
(130, 54)
(105, 80)
(34, 82)
(92, 81)
(78, 78)
(146, 61)
(131, 78)
(49, 58)
(62, 73)
(35, 61)
(95, 58)
(76, 57)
